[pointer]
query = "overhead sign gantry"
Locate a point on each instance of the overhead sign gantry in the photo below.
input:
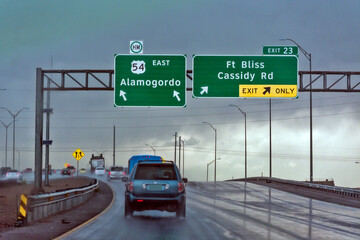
(103, 80)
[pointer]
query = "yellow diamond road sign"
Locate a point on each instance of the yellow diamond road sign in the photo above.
(273, 91)
(78, 154)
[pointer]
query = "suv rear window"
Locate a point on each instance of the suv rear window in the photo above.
(155, 172)
(117, 169)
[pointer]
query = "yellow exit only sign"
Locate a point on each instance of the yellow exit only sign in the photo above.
(268, 91)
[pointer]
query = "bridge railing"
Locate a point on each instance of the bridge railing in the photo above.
(35, 207)
(337, 190)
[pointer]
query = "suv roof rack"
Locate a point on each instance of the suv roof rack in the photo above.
(168, 161)
(156, 161)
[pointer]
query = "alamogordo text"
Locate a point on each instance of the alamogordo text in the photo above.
(150, 83)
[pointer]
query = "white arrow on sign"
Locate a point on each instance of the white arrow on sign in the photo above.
(122, 94)
(176, 94)
(204, 90)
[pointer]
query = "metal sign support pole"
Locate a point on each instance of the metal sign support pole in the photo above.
(38, 131)
(47, 135)
(270, 153)
(114, 147)
(180, 154)
(175, 148)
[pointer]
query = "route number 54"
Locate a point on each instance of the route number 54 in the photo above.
(138, 67)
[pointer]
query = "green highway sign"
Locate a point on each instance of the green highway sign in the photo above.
(150, 80)
(280, 50)
(245, 76)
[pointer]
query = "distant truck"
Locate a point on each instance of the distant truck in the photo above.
(96, 161)
(135, 159)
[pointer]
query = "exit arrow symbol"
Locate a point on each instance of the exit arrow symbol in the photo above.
(204, 90)
(176, 94)
(122, 94)
(267, 90)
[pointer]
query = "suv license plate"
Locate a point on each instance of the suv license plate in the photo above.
(155, 187)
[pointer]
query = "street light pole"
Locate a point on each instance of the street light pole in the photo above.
(175, 147)
(14, 116)
(180, 154)
(215, 149)
(114, 146)
(244, 114)
(6, 134)
(151, 148)
(207, 168)
(183, 166)
(308, 56)
(18, 160)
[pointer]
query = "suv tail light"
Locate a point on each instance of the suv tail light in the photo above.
(109, 173)
(181, 187)
(130, 186)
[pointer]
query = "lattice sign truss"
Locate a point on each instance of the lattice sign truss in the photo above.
(329, 81)
(77, 80)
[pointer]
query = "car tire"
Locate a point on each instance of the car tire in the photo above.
(181, 211)
(128, 209)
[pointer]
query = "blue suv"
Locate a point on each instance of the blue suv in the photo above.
(155, 186)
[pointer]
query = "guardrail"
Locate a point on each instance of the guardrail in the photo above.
(35, 207)
(337, 190)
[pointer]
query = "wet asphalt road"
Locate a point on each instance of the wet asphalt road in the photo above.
(228, 210)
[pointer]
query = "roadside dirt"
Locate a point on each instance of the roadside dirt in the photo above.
(9, 197)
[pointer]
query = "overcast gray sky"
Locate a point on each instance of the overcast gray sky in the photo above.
(87, 34)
